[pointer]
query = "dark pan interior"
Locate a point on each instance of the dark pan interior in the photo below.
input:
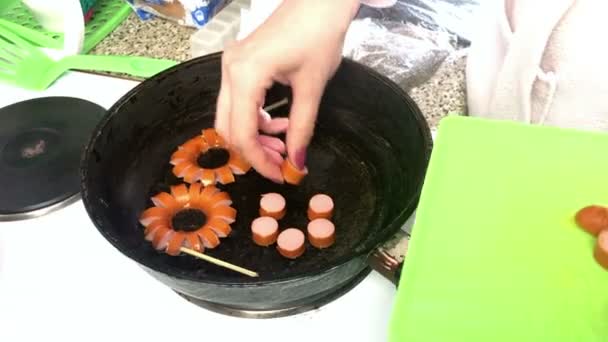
(369, 152)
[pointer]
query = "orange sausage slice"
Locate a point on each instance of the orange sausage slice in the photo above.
(193, 174)
(153, 214)
(264, 231)
(321, 233)
(175, 243)
(224, 175)
(290, 243)
(219, 227)
(194, 193)
(273, 204)
(180, 193)
(161, 238)
(237, 164)
(193, 242)
(320, 206)
(224, 212)
(592, 218)
(180, 169)
(165, 200)
(211, 137)
(600, 251)
(220, 198)
(205, 198)
(150, 231)
(207, 177)
(194, 145)
(181, 156)
(210, 240)
(292, 174)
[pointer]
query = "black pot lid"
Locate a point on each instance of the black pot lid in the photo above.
(41, 141)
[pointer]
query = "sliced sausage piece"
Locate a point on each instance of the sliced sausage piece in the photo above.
(321, 233)
(225, 213)
(224, 175)
(194, 193)
(179, 170)
(290, 243)
(208, 237)
(207, 177)
(193, 242)
(153, 214)
(601, 249)
(165, 200)
(175, 243)
(264, 230)
(593, 219)
(193, 174)
(291, 174)
(320, 206)
(180, 193)
(219, 227)
(272, 204)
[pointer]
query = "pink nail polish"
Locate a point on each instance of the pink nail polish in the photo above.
(300, 158)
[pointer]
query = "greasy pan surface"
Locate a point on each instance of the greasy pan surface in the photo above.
(369, 152)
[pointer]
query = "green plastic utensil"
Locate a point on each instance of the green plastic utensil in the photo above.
(28, 67)
(108, 15)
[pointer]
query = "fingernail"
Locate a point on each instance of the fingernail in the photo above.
(300, 158)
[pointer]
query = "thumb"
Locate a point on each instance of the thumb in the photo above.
(306, 99)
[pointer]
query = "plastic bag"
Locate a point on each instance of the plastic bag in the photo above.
(193, 13)
(452, 16)
(406, 53)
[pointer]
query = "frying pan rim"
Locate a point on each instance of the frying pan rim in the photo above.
(390, 230)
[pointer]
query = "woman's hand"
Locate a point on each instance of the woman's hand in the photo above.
(300, 45)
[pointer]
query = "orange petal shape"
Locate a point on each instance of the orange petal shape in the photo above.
(237, 164)
(194, 145)
(165, 200)
(194, 242)
(180, 193)
(153, 214)
(226, 213)
(210, 240)
(175, 243)
(180, 169)
(193, 174)
(224, 175)
(219, 199)
(150, 230)
(204, 200)
(219, 227)
(207, 177)
(182, 156)
(159, 235)
(210, 136)
(195, 192)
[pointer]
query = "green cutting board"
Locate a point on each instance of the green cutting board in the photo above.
(495, 254)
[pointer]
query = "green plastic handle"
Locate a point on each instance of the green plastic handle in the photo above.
(132, 65)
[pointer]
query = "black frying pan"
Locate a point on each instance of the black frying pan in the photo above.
(369, 152)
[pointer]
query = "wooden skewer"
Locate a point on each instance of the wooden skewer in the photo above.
(276, 105)
(218, 262)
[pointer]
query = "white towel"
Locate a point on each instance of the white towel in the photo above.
(541, 62)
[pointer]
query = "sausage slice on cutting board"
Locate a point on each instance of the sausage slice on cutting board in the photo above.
(601, 249)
